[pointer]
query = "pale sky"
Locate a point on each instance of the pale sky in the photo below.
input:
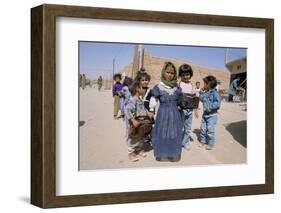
(96, 58)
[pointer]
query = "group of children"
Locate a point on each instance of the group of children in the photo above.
(172, 103)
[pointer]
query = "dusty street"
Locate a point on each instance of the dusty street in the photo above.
(102, 142)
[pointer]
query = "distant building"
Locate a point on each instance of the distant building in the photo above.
(154, 64)
(237, 68)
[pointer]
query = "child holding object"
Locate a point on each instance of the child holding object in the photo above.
(211, 103)
(138, 123)
(188, 102)
(147, 98)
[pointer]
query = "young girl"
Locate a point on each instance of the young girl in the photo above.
(188, 90)
(125, 94)
(211, 103)
(148, 99)
(167, 131)
(197, 88)
(133, 110)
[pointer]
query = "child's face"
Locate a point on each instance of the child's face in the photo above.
(117, 79)
(144, 83)
(185, 77)
(207, 85)
(169, 73)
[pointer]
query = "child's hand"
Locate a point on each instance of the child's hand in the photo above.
(150, 115)
(179, 81)
(120, 93)
(135, 123)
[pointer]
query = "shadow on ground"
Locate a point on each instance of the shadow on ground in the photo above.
(147, 147)
(238, 130)
(197, 132)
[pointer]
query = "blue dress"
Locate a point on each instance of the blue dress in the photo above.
(167, 131)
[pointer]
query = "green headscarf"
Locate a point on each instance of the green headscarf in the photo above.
(173, 82)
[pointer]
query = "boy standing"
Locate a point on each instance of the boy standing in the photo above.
(211, 103)
(116, 93)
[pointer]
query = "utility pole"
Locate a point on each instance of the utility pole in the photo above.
(135, 67)
(225, 56)
(113, 70)
(113, 67)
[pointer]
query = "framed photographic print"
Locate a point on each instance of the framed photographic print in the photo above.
(136, 106)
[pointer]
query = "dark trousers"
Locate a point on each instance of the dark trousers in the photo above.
(230, 98)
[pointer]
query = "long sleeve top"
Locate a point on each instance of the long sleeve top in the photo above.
(211, 101)
(233, 87)
(117, 87)
(134, 108)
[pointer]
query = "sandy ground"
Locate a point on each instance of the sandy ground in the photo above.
(102, 142)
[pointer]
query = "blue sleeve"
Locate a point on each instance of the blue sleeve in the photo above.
(130, 109)
(155, 91)
(235, 84)
(215, 104)
(203, 97)
(113, 90)
(126, 92)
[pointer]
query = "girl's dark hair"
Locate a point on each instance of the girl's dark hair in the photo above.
(212, 80)
(117, 75)
(127, 81)
(144, 75)
(133, 87)
(185, 68)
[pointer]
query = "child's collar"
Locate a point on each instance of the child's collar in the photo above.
(211, 90)
(164, 85)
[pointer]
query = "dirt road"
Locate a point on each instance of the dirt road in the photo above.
(102, 142)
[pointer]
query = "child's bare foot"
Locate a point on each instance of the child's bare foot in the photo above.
(209, 147)
(120, 116)
(142, 154)
(201, 145)
(186, 147)
(133, 157)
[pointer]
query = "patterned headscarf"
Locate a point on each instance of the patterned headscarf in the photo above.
(173, 82)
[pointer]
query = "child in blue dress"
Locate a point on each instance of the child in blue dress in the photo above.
(211, 103)
(167, 131)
